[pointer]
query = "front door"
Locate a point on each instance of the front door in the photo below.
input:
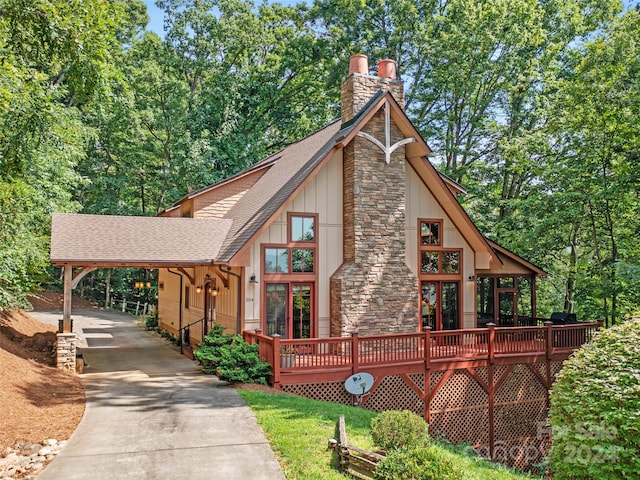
(289, 310)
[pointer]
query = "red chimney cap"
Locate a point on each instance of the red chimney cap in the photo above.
(387, 68)
(359, 63)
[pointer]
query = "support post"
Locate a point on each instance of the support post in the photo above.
(492, 388)
(66, 299)
(276, 361)
(427, 374)
(355, 363)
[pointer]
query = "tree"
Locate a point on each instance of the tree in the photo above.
(55, 58)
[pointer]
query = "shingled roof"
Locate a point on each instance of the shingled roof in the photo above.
(108, 240)
(129, 241)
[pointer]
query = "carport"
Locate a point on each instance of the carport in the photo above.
(82, 243)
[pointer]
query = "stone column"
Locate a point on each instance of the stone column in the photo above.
(66, 346)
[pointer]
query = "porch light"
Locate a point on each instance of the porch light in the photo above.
(199, 289)
(472, 277)
(214, 291)
(252, 279)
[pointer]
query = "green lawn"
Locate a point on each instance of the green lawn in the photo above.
(298, 430)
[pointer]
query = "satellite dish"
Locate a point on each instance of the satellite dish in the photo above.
(359, 383)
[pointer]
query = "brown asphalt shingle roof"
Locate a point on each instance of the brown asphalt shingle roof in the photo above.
(106, 239)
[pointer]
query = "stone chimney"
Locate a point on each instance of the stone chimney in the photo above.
(373, 291)
(359, 86)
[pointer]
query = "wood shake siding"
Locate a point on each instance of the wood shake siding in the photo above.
(217, 202)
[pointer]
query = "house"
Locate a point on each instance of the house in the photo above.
(349, 249)
(350, 228)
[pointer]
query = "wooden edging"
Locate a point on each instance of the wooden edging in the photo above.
(355, 461)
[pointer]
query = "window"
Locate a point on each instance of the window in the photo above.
(302, 260)
(298, 256)
(276, 260)
(440, 262)
(430, 232)
(302, 228)
(187, 294)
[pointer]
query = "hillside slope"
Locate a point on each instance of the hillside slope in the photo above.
(38, 401)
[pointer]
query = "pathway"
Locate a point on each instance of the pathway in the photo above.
(151, 414)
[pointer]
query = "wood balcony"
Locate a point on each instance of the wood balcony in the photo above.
(336, 358)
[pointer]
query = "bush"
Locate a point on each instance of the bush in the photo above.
(595, 408)
(395, 429)
(151, 320)
(231, 358)
(209, 353)
(420, 463)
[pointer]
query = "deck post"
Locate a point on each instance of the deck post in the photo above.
(549, 338)
(276, 361)
(427, 374)
(491, 338)
(355, 363)
(491, 341)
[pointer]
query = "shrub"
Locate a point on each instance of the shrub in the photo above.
(395, 429)
(151, 320)
(595, 408)
(423, 463)
(231, 358)
(208, 354)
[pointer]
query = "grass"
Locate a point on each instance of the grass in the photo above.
(298, 430)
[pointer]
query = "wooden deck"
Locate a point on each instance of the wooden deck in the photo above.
(336, 358)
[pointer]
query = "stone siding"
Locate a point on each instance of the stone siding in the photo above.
(358, 89)
(66, 347)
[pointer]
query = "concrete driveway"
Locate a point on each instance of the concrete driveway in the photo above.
(151, 414)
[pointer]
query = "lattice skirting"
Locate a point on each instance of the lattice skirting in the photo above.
(459, 407)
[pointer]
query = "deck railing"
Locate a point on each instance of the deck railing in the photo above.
(426, 349)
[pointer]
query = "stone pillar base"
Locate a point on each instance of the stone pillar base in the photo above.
(66, 346)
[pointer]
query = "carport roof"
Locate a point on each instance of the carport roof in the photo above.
(128, 241)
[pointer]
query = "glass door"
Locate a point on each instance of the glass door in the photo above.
(301, 300)
(440, 303)
(507, 308)
(450, 303)
(429, 305)
(277, 309)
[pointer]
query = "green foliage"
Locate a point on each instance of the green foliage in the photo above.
(168, 335)
(231, 358)
(151, 320)
(424, 463)
(595, 408)
(209, 353)
(395, 429)
(298, 428)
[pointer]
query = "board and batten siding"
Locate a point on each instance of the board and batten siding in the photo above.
(169, 305)
(321, 196)
(422, 204)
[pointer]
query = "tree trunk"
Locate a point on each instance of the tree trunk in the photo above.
(571, 277)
